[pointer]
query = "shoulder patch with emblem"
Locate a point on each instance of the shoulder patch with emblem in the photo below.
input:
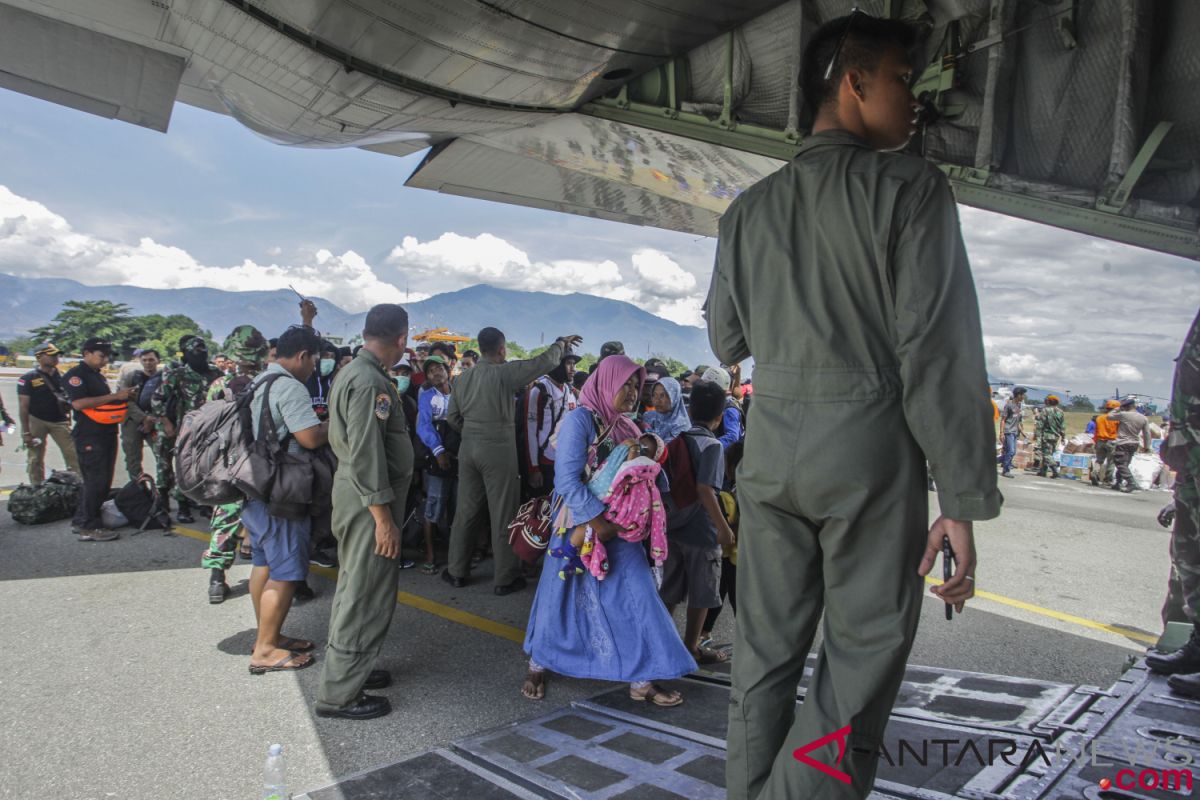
(383, 405)
(75, 381)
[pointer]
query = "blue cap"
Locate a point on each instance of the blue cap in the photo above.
(275, 750)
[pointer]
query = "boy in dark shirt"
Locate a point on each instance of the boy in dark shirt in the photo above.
(697, 532)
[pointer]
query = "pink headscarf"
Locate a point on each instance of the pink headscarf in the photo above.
(602, 386)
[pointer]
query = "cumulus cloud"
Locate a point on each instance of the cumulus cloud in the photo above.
(36, 242)
(1075, 312)
(652, 280)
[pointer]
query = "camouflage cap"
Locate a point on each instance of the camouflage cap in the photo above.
(246, 345)
(612, 349)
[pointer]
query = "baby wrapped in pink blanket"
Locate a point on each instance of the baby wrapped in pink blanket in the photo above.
(626, 484)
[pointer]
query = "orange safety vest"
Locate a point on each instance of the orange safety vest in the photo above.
(1106, 429)
(107, 414)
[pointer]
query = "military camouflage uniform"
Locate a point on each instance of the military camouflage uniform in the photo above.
(182, 389)
(247, 347)
(1183, 442)
(1051, 427)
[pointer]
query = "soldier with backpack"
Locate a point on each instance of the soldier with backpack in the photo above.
(182, 388)
(246, 347)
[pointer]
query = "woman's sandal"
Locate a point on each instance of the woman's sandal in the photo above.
(657, 696)
(430, 568)
(285, 664)
(534, 687)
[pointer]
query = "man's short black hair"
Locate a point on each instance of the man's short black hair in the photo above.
(708, 402)
(297, 340)
(150, 350)
(344, 352)
(581, 377)
(491, 340)
(328, 347)
(866, 40)
(386, 321)
(273, 342)
(446, 348)
(470, 354)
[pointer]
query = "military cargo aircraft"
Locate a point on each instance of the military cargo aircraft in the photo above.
(1081, 114)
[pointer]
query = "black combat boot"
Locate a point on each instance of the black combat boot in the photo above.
(1186, 685)
(218, 589)
(1183, 661)
(185, 513)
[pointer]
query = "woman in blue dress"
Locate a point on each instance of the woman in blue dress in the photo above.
(616, 629)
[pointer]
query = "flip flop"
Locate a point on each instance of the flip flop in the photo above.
(709, 656)
(653, 694)
(430, 568)
(284, 664)
(295, 645)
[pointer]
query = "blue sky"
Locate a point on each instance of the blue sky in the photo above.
(212, 204)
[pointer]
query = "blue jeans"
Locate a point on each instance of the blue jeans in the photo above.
(1010, 450)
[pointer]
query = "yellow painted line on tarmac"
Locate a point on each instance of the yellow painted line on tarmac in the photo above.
(412, 600)
(1058, 615)
(514, 634)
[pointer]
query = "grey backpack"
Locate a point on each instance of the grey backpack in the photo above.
(267, 472)
(211, 442)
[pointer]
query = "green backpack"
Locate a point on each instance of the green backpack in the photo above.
(54, 500)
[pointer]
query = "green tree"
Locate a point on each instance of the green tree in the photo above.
(22, 345)
(162, 333)
(79, 320)
(1081, 403)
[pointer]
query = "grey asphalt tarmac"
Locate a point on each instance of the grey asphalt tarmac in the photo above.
(119, 680)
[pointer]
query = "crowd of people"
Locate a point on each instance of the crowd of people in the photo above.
(435, 451)
(844, 275)
(1118, 433)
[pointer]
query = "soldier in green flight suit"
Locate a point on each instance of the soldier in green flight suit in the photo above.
(483, 407)
(369, 435)
(1052, 426)
(1181, 452)
(184, 387)
(247, 348)
(844, 275)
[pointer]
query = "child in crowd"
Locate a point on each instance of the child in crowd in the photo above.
(729, 507)
(697, 532)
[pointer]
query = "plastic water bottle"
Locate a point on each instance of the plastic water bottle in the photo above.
(10, 428)
(274, 779)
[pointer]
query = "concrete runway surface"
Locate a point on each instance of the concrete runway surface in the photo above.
(119, 680)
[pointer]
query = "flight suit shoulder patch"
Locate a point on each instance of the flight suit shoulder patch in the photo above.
(383, 405)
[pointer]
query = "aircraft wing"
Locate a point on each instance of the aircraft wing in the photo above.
(1076, 113)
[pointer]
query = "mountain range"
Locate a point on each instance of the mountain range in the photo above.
(527, 318)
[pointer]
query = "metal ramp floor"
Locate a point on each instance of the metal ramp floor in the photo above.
(1064, 740)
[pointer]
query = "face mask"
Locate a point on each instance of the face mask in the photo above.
(630, 414)
(403, 382)
(326, 367)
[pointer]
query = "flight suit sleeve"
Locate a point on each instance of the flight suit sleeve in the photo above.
(725, 332)
(365, 443)
(454, 415)
(939, 344)
(518, 374)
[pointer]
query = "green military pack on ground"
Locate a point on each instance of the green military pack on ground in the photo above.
(52, 500)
